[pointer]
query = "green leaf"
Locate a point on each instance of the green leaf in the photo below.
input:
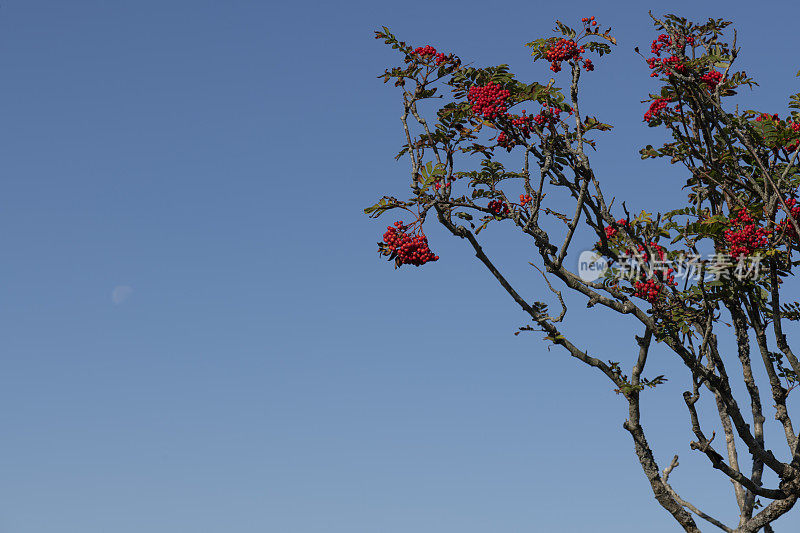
(565, 30)
(483, 225)
(385, 204)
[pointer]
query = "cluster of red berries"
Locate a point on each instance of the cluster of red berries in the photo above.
(659, 277)
(589, 21)
(524, 126)
(650, 288)
(673, 62)
(657, 248)
(566, 50)
(663, 40)
(745, 236)
(794, 207)
(430, 51)
(659, 43)
(507, 142)
(794, 127)
(711, 79)
(562, 50)
(655, 65)
(647, 289)
(767, 116)
(547, 116)
(666, 65)
(656, 107)
(786, 225)
(611, 231)
(498, 207)
(504, 141)
(669, 277)
(524, 199)
(408, 249)
(488, 101)
(438, 184)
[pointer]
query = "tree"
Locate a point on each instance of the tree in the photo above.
(723, 256)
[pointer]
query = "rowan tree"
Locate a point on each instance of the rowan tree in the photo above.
(710, 268)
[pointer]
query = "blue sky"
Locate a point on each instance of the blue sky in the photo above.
(197, 332)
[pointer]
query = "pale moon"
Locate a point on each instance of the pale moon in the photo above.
(121, 293)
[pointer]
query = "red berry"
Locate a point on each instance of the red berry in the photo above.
(407, 249)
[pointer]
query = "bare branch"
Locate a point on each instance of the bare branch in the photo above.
(692, 508)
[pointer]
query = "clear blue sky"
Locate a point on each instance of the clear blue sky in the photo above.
(197, 334)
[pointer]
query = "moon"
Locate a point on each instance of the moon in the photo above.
(121, 293)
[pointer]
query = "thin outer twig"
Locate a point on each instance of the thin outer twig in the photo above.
(692, 508)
